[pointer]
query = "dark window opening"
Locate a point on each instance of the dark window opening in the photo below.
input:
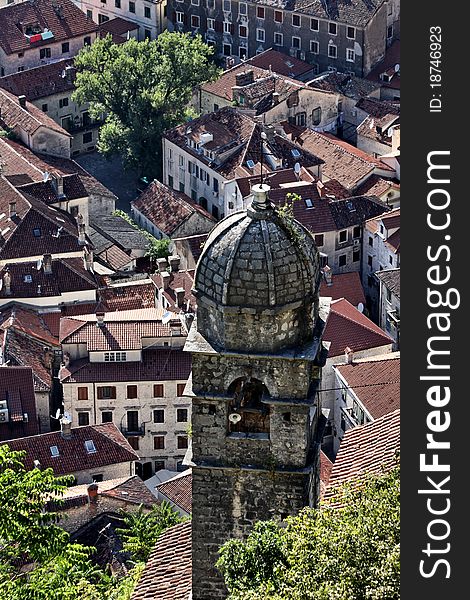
(247, 412)
(286, 417)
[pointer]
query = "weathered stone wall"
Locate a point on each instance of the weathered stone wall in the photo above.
(226, 504)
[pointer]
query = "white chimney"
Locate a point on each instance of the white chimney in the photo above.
(179, 293)
(66, 358)
(100, 318)
(162, 264)
(81, 234)
(66, 428)
(328, 274)
(7, 283)
(174, 261)
(165, 279)
(22, 101)
(88, 259)
(348, 355)
(47, 264)
(12, 209)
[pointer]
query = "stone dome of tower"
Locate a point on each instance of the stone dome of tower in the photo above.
(263, 266)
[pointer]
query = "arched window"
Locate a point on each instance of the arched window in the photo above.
(247, 412)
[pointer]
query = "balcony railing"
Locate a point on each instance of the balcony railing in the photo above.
(133, 431)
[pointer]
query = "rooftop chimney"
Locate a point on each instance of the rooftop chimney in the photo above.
(174, 261)
(100, 318)
(162, 264)
(245, 78)
(175, 327)
(7, 283)
(66, 428)
(22, 101)
(59, 185)
(165, 279)
(328, 273)
(260, 194)
(12, 209)
(88, 259)
(179, 293)
(81, 234)
(92, 491)
(47, 264)
(320, 188)
(348, 355)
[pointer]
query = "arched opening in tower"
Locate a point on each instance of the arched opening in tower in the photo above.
(247, 411)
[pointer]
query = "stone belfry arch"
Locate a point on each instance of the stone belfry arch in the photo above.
(257, 355)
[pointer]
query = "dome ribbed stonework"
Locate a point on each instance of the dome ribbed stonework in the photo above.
(257, 262)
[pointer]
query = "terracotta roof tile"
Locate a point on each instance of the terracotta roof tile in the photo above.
(46, 191)
(167, 574)
(40, 82)
(344, 285)
(111, 448)
(168, 209)
(182, 280)
(156, 365)
(71, 22)
(377, 186)
(68, 275)
(114, 257)
(280, 63)
(128, 297)
(29, 119)
(325, 471)
(376, 383)
(179, 490)
(128, 489)
(118, 26)
(346, 85)
(370, 448)
(16, 388)
(347, 327)
(352, 12)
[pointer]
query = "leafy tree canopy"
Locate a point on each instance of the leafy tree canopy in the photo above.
(144, 528)
(346, 550)
(142, 88)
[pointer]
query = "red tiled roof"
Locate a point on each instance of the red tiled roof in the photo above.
(347, 327)
(156, 365)
(391, 220)
(118, 26)
(279, 63)
(370, 448)
(128, 489)
(114, 257)
(128, 297)
(346, 85)
(178, 279)
(325, 471)
(29, 119)
(111, 448)
(343, 162)
(17, 239)
(29, 322)
(65, 24)
(167, 574)
(179, 490)
(344, 285)
(122, 330)
(40, 82)
(68, 275)
(16, 387)
(365, 378)
(377, 186)
(168, 209)
(46, 191)
(274, 179)
(391, 59)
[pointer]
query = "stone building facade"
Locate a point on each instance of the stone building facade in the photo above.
(256, 365)
(348, 37)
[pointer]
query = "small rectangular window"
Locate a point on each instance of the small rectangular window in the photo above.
(332, 51)
(44, 108)
(356, 255)
(314, 24)
(106, 417)
(117, 3)
(227, 5)
(369, 261)
(44, 53)
(296, 20)
(87, 41)
(132, 391)
(319, 239)
(243, 31)
(159, 442)
(343, 236)
(211, 24)
(83, 418)
(278, 39)
(180, 389)
(332, 28)
(260, 12)
(158, 390)
(342, 260)
(147, 12)
(242, 8)
(87, 137)
(351, 33)
(260, 35)
(54, 451)
(181, 415)
(371, 241)
(133, 442)
(296, 42)
(132, 7)
(194, 21)
(159, 415)
(314, 47)
(65, 47)
(89, 13)
(82, 393)
(356, 232)
(278, 16)
(182, 442)
(350, 55)
(159, 465)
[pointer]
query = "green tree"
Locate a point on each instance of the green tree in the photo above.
(142, 88)
(346, 550)
(158, 248)
(143, 528)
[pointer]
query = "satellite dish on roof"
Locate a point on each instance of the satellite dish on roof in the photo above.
(360, 307)
(297, 168)
(397, 67)
(234, 418)
(390, 132)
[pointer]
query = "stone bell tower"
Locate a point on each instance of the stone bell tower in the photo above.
(257, 354)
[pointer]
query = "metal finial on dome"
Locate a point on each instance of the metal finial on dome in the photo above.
(260, 197)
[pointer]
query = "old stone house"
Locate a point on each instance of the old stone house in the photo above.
(346, 36)
(37, 33)
(128, 368)
(50, 87)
